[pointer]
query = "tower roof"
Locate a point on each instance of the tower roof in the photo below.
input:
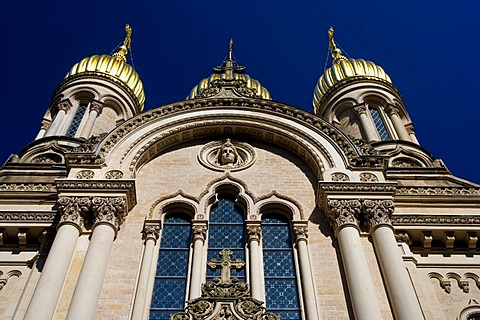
(114, 67)
(229, 71)
(343, 69)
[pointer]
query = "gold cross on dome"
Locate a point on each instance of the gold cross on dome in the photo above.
(225, 264)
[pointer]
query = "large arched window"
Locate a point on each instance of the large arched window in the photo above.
(279, 268)
(169, 289)
(226, 231)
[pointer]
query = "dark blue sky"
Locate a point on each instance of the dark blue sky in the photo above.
(428, 49)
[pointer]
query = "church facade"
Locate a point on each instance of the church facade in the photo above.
(230, 205)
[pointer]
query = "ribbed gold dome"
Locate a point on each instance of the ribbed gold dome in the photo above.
(250, 83)
(342, 69)
(229, 71)
(113, 66)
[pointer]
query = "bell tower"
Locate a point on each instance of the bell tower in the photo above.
(359, 97)
(97, 94)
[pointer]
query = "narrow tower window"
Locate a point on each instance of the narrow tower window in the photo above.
(77, 119)
(226, 231)
(280, 283)
(169, 289)
(379, 124)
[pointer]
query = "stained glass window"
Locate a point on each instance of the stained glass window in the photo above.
(226, 232)
(378, 121)
(279, 269)
(77, 119)
(169, 289)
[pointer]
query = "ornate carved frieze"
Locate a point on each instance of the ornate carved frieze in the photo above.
(151, 231)
(462, 282)
(74, 209)
(28, 216)
(227, 155)
(438, 191)
(109, 209)
(436, 219)
(254, 233)
(378, 212)
(28, 187)
(342, 212)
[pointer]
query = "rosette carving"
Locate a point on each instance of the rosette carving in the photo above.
(109, 209)
(378, 212)
(73, 209)
(341, 212)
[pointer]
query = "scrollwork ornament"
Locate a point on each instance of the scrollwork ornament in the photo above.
(251, 309)
(339, 176)
(301, 233)
(368, 177)
(341, 212)
(73, 209)
(114, 174)
(109, 209)
(378, 212)
(151, 231)
(254, 233)
(199, 232)
(85, 174)
(200, 308)
(180, 316)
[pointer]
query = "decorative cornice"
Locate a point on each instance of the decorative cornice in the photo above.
(343, 212)
(111, 210)
(378, 212)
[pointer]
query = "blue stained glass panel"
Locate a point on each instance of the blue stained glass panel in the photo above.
(279, 263)
(169, 288)
(378, 121)
(77, 119)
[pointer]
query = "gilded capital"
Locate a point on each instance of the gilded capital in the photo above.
(378, 212)
(254, 233)
(343, 212)
(199, 232)
(73, 210)
(151, 231)
(112, 210)
(300, 232)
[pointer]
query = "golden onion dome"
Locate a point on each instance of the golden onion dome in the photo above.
(342, 69)
(229, 71)
(114, 67)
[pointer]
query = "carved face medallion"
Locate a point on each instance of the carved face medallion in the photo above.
(227, 155)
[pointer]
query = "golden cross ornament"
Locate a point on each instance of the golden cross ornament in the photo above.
(225, 264)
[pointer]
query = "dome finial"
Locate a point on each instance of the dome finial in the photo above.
(230, 50)
(123, 50)
(334, 50)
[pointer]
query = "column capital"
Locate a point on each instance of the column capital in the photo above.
(151, 230)
(254, 233)
(391, 110)
(360, 109)
(110, 210)
(341, 212)
(45, 124)
(64, 105)
(410, 129)
(73, 210)
(378, 212)
(300, 233)
(199, 232)
(96, 106)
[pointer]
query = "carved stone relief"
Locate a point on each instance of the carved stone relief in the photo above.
(340, 176)
(85, 174)
(368, 177)
(227, 155)
(114, 174)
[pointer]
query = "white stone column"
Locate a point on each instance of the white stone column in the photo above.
(343, 217)
(43, 129)
(403, 297)
(49, 287)
(199, 234)
(412, 135)
(95, 110)
(151, 233)
(306, 277)
(368, 127)
(254, 234)
(392, 113)
(63, 108)
(109, 213)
